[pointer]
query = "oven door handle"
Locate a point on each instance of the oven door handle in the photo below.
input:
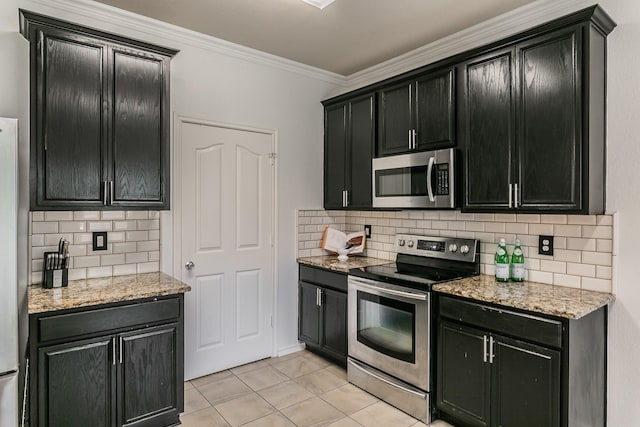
(386, 381)
(370, 285)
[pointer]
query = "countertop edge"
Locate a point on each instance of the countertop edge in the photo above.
(331, 263)
(102, 291)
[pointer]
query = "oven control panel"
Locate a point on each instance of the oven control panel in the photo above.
(437, 247)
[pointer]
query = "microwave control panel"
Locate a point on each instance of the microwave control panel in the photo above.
(441, 171)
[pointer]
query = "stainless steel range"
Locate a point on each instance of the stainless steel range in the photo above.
(389, 317)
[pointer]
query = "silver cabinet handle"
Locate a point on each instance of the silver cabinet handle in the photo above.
(491, 354)
(121, 349)
(510, 195)
(189, 265)
(409, 139)
(110, 192)
(413, 138)
(484, 349)
(113, 347)
(105, 190)
(517, 197)
(319, 297)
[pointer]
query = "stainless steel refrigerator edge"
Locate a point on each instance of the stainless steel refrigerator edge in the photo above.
(8, 272)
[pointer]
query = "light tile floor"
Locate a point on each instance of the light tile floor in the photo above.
(300, 389)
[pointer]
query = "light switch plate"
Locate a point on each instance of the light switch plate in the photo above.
(99, 240)
(367, 231)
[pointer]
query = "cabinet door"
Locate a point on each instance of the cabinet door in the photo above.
(334, 323)
(139, 162)
(487, 123)
(148, 376)
(76, 384)
(463, 389)
(525, 385)
(308, 313)
(335, 151)
(67, 118)
(395, 119)
(550, 148)
(360, 153)
(435, 111)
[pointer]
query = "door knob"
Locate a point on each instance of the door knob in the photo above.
(189, 265)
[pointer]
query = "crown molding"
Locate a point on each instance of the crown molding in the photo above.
(143, 27)
(494, 29)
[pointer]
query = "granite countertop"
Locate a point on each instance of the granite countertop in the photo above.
(561, 301)
(84, 293)
(330, 262)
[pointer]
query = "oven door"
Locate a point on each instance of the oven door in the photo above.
(389, 329)
(416, 180)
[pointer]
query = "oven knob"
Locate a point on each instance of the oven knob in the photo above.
(453, 248)
(464, 249)
(401, 242)
(410, 244)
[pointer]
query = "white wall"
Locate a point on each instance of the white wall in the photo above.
(623, 197)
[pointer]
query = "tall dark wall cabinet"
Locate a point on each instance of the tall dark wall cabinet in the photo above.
(99, 118)
(532, 120)
(418, 115)
(348, 150)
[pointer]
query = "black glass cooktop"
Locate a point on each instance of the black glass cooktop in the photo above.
(409, 275)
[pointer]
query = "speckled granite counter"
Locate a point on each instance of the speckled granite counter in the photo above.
(330, 262)
(83, 293)
(559, 301)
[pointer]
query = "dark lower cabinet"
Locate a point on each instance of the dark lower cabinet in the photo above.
(116, 365)
(322, 312)
(76, 384)
(497, 367)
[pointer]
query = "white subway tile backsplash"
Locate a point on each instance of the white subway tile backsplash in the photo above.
(599, 285)
(72, 226)
(95, 272)
(100, 226)
(86, 215)
(112, 215)
(134, 231)
(578, 252)
(125, 269)
(44, 227)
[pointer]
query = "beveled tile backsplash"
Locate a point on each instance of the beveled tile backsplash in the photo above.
(133, 242)
(583, 244)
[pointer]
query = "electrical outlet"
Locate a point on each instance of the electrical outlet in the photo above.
(99, 240)
(545, 245)
(367, 231)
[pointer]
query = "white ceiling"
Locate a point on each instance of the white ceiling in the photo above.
(345, 37)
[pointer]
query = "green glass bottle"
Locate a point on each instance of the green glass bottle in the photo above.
(517, 263)
(502, 262)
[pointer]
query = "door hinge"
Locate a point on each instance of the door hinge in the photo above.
(273, 157)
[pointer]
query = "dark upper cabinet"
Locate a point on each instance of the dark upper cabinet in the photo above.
(531, 122)
(348, 150)
(418, 115)
(99, 118)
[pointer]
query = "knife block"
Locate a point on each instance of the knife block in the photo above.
(54, 277)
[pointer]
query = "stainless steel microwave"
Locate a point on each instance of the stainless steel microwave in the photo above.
(417, 180)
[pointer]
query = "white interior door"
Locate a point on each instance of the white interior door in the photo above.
(227, 200)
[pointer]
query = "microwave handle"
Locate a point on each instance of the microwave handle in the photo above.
(429, 187)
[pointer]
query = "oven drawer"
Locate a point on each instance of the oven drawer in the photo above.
(325, 278)
(526, 326)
